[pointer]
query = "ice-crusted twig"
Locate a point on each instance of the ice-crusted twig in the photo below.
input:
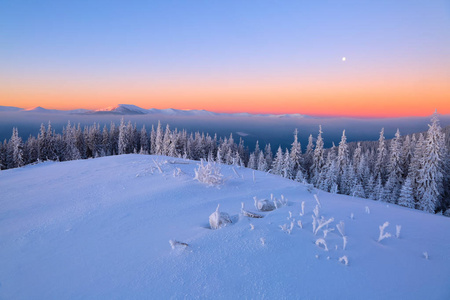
(320, 223)
(302, 213)
(344, 242)
(367, 210)
(157, 166)
(341, 228)
(263, 241)
(322, 242)
(290, 215)
(317, 200)
(299, 223)
(343, 260)
(383, 235)
(398, 228)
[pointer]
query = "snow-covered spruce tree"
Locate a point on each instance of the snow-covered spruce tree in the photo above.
(268, 155)
(318, 160)
(159, 139)
(16, 145)
(122, 138)
(262, 162)
(308, 157)
(395, 168)
(252, 163)
(166, 141)
(380, 163)
(406, 198)
(288, 166)
(431, 168)
(144, 141)
(342, 161)
(277, 165)
(296, 153)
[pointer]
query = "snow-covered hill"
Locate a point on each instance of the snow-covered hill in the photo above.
(100, 229)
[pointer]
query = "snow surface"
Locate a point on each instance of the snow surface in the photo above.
(100, 229)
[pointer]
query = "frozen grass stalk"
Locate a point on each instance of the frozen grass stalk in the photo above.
(398, 228)
(384, 235)
(317, 200)
(303, 209)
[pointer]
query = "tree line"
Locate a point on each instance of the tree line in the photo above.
(412, 171)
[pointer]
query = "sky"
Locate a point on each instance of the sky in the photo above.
(229, 56)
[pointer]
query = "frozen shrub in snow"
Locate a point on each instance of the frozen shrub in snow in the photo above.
(219, 219)
(208, 173)
(322, 242)
(287, 229)
(249, 213)
(264, 204)
(398, 229)
(343, 260)
(176, 244)
(383, 235)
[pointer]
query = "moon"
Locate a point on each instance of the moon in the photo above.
(344, 59)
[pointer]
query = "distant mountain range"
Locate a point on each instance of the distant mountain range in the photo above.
(130, 109)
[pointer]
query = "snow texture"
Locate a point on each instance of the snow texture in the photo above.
(93, 229)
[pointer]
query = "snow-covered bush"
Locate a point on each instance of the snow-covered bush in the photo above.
(209, 173)
(219, 219)
(264, 204)
(384, 235)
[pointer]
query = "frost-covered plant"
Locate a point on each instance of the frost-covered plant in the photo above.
(344, 242)
(299, 223)
(425, 254)
(367, 210)
(343, 260)
(303, 209)
(398, 228)
(320, 223)
(252, 226)
(208, 173)
(317, 200)
(323, 243)
(290, 215)
(341, 228)
(326, 231)
(263, 241)
(219, 219)
(287, 229)
(383, 235)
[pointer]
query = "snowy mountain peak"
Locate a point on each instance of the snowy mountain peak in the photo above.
(123, 109)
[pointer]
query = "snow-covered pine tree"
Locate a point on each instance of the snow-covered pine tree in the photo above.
(252, 163)
(277, 165)
(16, 145)
(262, 162)
(288, 166)
(144, 141)
(296, 152)
(318, 159)
(343, 161)
(380, 164)
(159, 139)
(431, 168)
(308, 157)
(268, 155)
(406, 198)
(122, 143)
